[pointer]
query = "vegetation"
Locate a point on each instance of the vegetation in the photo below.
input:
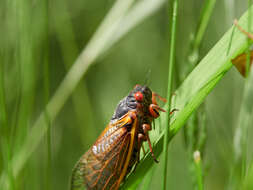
(64, 66)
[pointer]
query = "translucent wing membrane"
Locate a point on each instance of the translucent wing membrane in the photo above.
(100, 167)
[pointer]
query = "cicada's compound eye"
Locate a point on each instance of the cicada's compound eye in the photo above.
(138, 96)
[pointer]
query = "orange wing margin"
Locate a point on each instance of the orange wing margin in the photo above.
(106, 168)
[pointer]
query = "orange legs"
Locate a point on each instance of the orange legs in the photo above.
(145, 137)
(154, 95)
(172, 111)
(242, 30)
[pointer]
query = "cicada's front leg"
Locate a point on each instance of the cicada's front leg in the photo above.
(242, 30)
(146, 128)
(141, 138)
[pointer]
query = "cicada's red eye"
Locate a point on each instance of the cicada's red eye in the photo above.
(138, 96)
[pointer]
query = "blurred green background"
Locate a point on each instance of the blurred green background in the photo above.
(39, 42)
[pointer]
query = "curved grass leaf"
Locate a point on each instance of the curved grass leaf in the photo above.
(193, 91)
(100, 42)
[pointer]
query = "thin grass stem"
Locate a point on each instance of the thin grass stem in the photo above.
(204, 20)
(169, 90)
(198, 169)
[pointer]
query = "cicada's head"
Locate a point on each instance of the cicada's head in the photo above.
(142, 95)
(142, 100)
(145, 101)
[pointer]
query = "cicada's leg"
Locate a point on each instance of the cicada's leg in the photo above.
(172, 111)
(143, 149)
(242, 30)
(141, 138)
(146, 128)
(154, 95)
(154, 110)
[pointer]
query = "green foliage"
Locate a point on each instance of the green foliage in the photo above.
(56, 96)
(195, 88)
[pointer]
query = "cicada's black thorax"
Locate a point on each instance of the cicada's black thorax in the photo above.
(130, 103)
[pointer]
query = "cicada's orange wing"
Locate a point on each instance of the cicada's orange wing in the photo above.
(105, 164)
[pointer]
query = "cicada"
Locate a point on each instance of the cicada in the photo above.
(117, 149)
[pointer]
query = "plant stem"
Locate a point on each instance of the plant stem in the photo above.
(198, 168)
(170, 76)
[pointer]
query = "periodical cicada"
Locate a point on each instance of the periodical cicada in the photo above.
(117, 150)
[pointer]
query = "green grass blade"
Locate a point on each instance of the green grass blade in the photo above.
(241, 133)
(196, 123)
(204, 20)
(248, 183)
(5, 149)
(198, 169)
(95, 47)
(135, 16)
(245, 120)
(46, 89)
(169, 90)
(91, 52)
(147, 179)
(193, 55)
(69, 48)
(3, 115)
(249, 40)
(194, 90)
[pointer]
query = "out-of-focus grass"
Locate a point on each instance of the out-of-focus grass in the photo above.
(71, 25)
(94, 48)
(195, 128)
(248, 184)
(245, 120)
(46, 95)
(241, 165)
(198, 169)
